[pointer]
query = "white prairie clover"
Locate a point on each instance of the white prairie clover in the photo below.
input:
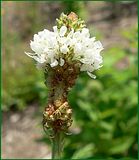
(62, 54)
(66, 44)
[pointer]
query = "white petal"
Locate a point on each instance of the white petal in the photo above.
(50, 53)
(73, 41)
(77, 48)
(91, 75)
(70, 33)
(55, 63)
(87, 67)
(30, 54)
(36, 47)
(98, 45)
(55, 29)
(77, 35)
(36, 37)
(85, 32)
(63, 30)
(62, 61)
(64, 49)
(93, 39)
(62, 40)
(41, 34)
(39, 59)
(46, 31)
(45, 50)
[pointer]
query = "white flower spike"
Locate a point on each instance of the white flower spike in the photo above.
(65, 45)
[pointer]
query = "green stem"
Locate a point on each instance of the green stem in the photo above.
(57, 145)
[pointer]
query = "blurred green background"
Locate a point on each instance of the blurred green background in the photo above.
(105, 109)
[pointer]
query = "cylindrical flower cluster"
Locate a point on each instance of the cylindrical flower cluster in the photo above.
(62, 54)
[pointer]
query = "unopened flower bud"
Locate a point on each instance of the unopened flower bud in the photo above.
(73, 16)
(57, 103)
(69, 111)
(52, 117)
(68, 124)
(65, 116)
(45, 114)
(46, 125)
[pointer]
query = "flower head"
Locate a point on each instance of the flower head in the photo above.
(68, 43)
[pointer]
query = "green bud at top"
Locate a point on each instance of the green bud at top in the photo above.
(71, 21)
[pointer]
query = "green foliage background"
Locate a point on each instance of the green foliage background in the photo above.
(105, 109)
